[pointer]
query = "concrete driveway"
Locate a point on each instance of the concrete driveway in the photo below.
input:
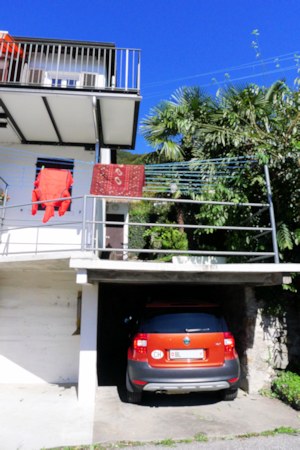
(161, 417)
(42, 416)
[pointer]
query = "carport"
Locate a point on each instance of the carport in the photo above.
(113, 290)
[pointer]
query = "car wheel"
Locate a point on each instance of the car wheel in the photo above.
(134, 397)
(229, 394)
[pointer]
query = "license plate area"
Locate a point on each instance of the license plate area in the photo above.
(187, 354)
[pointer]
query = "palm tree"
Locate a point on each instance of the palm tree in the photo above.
(171, 127)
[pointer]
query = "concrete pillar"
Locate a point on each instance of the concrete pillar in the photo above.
(105, 156)
(87, 380)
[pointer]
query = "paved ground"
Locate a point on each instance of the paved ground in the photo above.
(183, 416)
(280, 442)
(44, 416)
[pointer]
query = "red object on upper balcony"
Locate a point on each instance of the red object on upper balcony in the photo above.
(8, 46)
(118, 180)
(52, 184)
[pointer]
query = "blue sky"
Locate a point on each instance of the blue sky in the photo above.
(183, 42)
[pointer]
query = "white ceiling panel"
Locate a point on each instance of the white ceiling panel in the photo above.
(52, 117)
(117, 117)
(8, 136)
(31, 116)
(73, 116)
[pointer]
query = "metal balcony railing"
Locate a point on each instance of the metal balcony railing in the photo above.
(3, 201)
(90, 233)
(61, 65)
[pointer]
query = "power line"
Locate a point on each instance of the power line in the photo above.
(270, 60)
(228, 81)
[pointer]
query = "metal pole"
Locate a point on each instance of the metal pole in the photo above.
(84, 230)
(97, 152)
(272, 215)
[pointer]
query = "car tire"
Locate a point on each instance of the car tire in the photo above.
(229, 394)
(134, 397)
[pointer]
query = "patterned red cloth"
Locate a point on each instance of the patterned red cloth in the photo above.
(49, 185)
(117, 179)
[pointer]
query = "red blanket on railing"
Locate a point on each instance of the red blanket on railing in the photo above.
(52, 184)
(118, 180)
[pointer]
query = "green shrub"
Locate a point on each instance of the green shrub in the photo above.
(163, 238)
(287, 388)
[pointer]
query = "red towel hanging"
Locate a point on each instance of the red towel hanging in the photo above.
(52, 184)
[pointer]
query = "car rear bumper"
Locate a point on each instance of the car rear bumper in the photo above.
(182, 380)
(186, 387)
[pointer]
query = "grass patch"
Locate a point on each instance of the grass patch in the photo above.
(275, 432)
(167, 442)
(287, 387)
(199, 437)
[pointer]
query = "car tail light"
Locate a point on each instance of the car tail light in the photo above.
(233, 380)
(140, 343)
(229, 346)
(140, 382)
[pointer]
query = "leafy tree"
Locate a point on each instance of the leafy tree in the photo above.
(264, 123)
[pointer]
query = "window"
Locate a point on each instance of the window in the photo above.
(54, 163)
(71, 83)
(167, 321)
(56, 82)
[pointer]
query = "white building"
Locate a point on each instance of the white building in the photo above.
(67, 104)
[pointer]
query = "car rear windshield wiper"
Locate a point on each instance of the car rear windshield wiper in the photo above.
(195, 330)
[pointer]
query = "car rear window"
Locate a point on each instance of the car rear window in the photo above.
(194, 322)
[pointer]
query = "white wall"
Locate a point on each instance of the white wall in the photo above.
(17, 167)
(38, 314)
(65, 67)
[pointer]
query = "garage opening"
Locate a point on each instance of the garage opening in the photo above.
(120, 301)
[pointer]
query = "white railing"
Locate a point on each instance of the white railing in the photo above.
(70, 66)
(89, 234)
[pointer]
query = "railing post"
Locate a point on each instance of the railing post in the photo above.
(139, 72)
(5, 197)
(83, 233)
(126, 69)
(272, 215)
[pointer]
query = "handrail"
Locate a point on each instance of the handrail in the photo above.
(92, 223)
(68, 65)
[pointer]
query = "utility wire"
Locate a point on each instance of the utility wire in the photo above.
(271, 60)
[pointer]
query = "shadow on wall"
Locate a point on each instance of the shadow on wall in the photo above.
(280, 322)
(242, 324)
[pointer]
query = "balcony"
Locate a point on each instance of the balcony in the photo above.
(110, 238)
(68, 93)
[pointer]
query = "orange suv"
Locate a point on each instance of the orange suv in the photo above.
(182, 348)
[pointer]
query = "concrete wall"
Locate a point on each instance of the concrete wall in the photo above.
(266, 343)
(38, 313)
